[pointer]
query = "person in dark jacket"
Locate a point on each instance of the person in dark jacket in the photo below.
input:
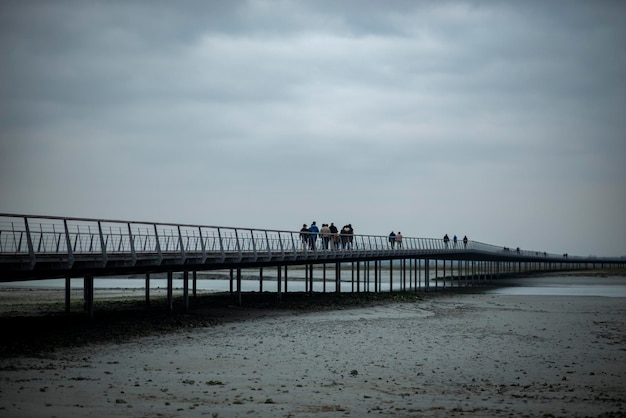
(392, 239)
(313, 231)
(304, 236)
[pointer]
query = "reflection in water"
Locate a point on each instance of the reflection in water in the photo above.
(563, 285)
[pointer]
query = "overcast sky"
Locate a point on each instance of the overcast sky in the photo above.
(505, 121)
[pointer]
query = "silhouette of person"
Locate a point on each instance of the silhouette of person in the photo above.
(454, 240)
(345, 237)
(335, 234)
(465, 241)
(313, 231)
(304, 236)
(350, 235)
(325, 234)
(392, 239)
(446, 240)
(399, 239)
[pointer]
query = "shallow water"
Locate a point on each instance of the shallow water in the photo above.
(556, 285)
(548, 285)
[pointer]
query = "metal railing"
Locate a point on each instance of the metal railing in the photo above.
(38, 239)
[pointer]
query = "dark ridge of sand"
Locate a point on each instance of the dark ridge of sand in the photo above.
(35, 322)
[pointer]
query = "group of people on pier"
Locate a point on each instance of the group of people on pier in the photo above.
(395, 239)
(334, 239)
(330, 235)
(446, 241)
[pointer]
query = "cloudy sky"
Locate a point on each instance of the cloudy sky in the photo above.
(505, 121)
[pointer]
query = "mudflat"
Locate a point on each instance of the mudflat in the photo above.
(448, 354)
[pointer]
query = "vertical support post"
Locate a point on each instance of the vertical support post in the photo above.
(473, 272)
(195, 283)
(419, 273)
(231, 281)
(286, 279)
(351, 275)
(238, 287)
(261, 279)
(444, 274)
(337, 277)
(68, 293)
(148, 289)
(426, 275)
(279, 281)
(88, 291)
(170, 291)
(375, 275)
(311, 277)
(185, 290)
(390, 275)
(404, 274)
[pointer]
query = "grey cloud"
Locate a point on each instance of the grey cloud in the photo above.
(247, 109)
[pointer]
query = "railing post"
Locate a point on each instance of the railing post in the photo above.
(131, 240)
(70, 252)
(203, 245)
(158, 245)
(219, 236)
(102, 246)
(256, 255)
(238, 246)
(29, 241)
(293, 245)
(269, 248)
(282, 248)
(182, 247)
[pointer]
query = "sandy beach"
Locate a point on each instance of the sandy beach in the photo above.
(471, 354)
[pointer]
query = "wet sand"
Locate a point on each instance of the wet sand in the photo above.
(474, 355)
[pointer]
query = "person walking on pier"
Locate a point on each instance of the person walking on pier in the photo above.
(347, 235)
(392, 240)
(304, 236)
(343, 236)
(335, 235)
(325, 234)
(350, 236)
(454, 240)
(313, 231)
(399, 239)
(465, 241)
(446, 240)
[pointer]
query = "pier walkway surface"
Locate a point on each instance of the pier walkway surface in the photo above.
(44, 247)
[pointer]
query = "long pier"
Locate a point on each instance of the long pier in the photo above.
(44, 247)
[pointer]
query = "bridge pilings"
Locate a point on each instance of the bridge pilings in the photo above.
(401, 274)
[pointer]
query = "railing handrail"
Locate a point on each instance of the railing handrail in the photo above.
(31, 235)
